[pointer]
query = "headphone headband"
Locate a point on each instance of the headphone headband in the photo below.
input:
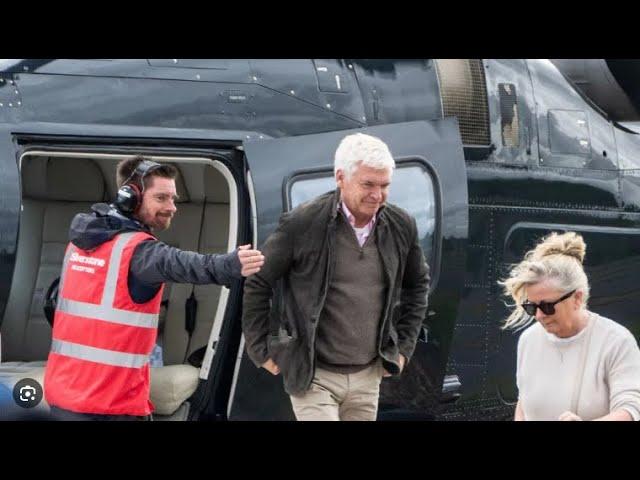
(144, 168)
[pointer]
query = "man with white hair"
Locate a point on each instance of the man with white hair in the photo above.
(354, 286)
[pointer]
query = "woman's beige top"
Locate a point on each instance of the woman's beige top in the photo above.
(549, 368)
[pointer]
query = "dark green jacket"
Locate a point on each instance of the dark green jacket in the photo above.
(298, 259)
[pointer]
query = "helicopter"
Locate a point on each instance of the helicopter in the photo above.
(491, 155)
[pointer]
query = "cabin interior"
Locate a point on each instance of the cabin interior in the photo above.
(55, 187)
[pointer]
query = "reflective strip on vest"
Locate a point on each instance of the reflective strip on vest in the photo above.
(113, 315)
(105, 312)
(109, 293)
(98, 355)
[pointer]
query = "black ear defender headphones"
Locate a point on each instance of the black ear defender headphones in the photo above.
(129, 195)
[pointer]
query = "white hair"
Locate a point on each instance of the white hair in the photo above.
(359, 148)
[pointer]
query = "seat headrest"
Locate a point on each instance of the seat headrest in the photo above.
(62, 179)
(215, 186)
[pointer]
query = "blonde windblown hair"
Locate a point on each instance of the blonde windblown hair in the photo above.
(557, 258)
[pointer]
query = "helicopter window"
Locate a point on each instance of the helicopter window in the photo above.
(412, 189)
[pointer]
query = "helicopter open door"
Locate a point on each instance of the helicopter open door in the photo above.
(430, 183)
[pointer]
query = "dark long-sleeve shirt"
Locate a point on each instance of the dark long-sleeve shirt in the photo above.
(155, 262)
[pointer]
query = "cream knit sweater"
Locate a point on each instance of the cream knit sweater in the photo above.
(549, 367)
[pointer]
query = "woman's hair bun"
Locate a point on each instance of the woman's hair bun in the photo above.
(570, 244)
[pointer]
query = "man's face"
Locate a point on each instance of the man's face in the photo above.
(365, 191)
(158, 203)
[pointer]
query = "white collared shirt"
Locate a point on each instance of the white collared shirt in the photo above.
(362, 233)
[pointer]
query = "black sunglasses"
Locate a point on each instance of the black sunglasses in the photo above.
(546, 308)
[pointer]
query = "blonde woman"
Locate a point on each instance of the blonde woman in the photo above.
(573, 364)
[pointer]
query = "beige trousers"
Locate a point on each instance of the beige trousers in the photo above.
(339, 396)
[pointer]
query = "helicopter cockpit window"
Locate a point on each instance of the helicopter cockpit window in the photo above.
(411, 189)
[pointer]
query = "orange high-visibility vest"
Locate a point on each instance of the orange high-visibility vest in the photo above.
(102, 339)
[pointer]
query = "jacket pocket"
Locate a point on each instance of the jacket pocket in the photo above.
(390, 342)
(281, 339)
(281, 345)
(390, 353)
